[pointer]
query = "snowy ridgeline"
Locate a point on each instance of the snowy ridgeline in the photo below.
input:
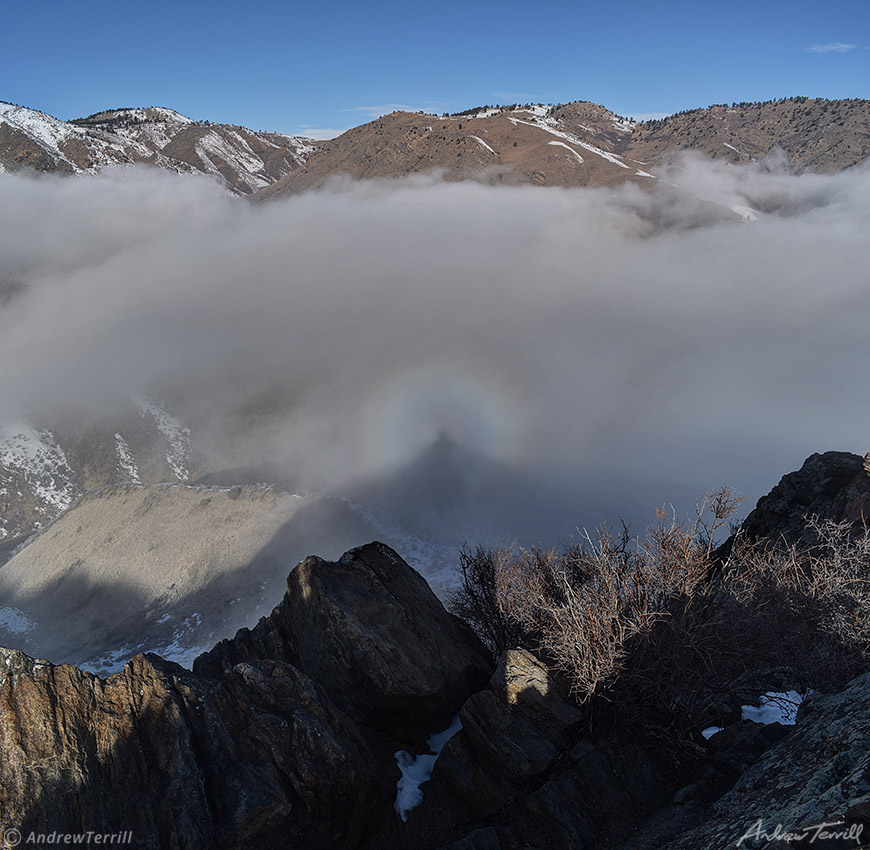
(140, 135)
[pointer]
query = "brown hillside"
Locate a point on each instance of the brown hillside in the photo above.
(584, 144)
(817, 135)
(511, 147)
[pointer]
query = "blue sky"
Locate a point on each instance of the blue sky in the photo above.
(314, 67)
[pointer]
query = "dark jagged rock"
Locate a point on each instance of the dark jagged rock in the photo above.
(819, 773)
(514, 760)
(180, 762)
(831, 486)
(371, 631)
(263, 745)
(285, 736)
(511, 732)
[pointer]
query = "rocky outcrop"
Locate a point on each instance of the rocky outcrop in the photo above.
(287, 734)
(831, 486)
(511, 732)
(819, 773)
(266, 744)
(522, 772)
(374, 634)
(245, 762)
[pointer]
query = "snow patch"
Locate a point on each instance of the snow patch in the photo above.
(126, 460)
(567, 148)
(745, 213)
(484, 144)
(112, 662)
(775, 707)
(624, 125)
(35, 455)
(176, 649)
(175, 433)
(417, 770)
(549, 125)
(537, 109)
(241, 159)
(710, 731)
(14, 621)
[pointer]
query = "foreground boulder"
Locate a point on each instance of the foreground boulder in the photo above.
(511, 732)
(265, 744)
(523, 773)
(372, 632)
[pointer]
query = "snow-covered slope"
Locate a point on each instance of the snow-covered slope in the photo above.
(46, 466)
(36, 480)
(243, 160)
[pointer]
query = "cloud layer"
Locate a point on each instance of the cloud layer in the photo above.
(642, 342)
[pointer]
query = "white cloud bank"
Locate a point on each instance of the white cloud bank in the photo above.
(595, 336)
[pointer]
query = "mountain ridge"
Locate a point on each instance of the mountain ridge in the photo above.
(585, 144)
(574, 144)
(241, 159)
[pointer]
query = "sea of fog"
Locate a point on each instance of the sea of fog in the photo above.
(581, 354)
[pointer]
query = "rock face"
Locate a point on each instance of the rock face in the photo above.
(819, 773)
(285, 736)
(522, 773)
(511, 732)
(266, 744)
(833, 485)
(252, 760)
(395, 665)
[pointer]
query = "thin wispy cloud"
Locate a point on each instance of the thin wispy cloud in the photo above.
(834, 47)
(322, 134)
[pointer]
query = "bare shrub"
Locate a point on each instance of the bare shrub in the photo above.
(668, 633)
(479, 601)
